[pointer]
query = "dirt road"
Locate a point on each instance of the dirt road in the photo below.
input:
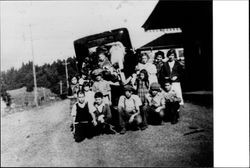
(42, 137)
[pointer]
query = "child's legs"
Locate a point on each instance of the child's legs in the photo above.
(79, 132)
(167, 112)
(157, 116)
(153, 116)
(144, 115)
(99, 128)
(172, 110)
(176, 107)
(123, 117)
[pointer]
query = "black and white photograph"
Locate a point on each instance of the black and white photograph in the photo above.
(108, 83)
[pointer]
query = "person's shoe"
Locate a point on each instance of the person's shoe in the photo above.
(144, 127)
(123, 131)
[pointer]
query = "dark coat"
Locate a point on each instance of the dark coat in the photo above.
(165, 72)
(106, 111)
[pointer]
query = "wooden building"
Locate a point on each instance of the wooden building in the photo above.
(194, 18)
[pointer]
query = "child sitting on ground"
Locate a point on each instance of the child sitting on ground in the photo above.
(172, 102)
(154, 104)
(83, 118)
(129, 110)
(103, 115)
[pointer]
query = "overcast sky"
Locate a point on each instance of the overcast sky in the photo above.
(55, 25)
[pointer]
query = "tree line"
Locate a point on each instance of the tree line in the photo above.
(47, 75)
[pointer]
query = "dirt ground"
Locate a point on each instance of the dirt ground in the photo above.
(42, 137)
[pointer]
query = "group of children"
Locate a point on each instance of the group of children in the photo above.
(143, 102)
(92, 114)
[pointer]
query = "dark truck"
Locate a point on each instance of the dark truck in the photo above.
(84, 45)
(85, 52)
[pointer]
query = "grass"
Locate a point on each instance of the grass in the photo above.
(20, 96)
(21, 100)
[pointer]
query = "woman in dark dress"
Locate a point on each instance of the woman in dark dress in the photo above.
(172, 70)
(158, 61)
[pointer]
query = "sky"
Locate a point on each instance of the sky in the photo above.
(54, 25)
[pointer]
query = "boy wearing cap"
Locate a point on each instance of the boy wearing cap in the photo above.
(129, 110)
(172, 102)
(154, 104)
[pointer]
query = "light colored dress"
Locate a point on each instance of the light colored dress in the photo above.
(142, 90)
(151, 69)
(117, 52)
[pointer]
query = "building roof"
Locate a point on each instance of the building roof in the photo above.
(177, 13)
(174, 40)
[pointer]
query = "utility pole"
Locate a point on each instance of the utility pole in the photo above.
(34, 70)
(66, 71)
(60, 87)
(44, 93)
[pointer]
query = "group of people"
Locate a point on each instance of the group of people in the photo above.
(151, 95)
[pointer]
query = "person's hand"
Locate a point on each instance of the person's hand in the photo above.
(158, 109)
(174, 78)
(134, 75)
(101, 118)
(137, 68)
(94, 122)
(174, 98)
(131, 119)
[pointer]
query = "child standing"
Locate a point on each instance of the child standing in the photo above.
(74, 87)
(82, 117)
(142, 85)
(81, 82)
(89, 95)
(172, 102)
(103, 86)
(103, 115)
(151, 68)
